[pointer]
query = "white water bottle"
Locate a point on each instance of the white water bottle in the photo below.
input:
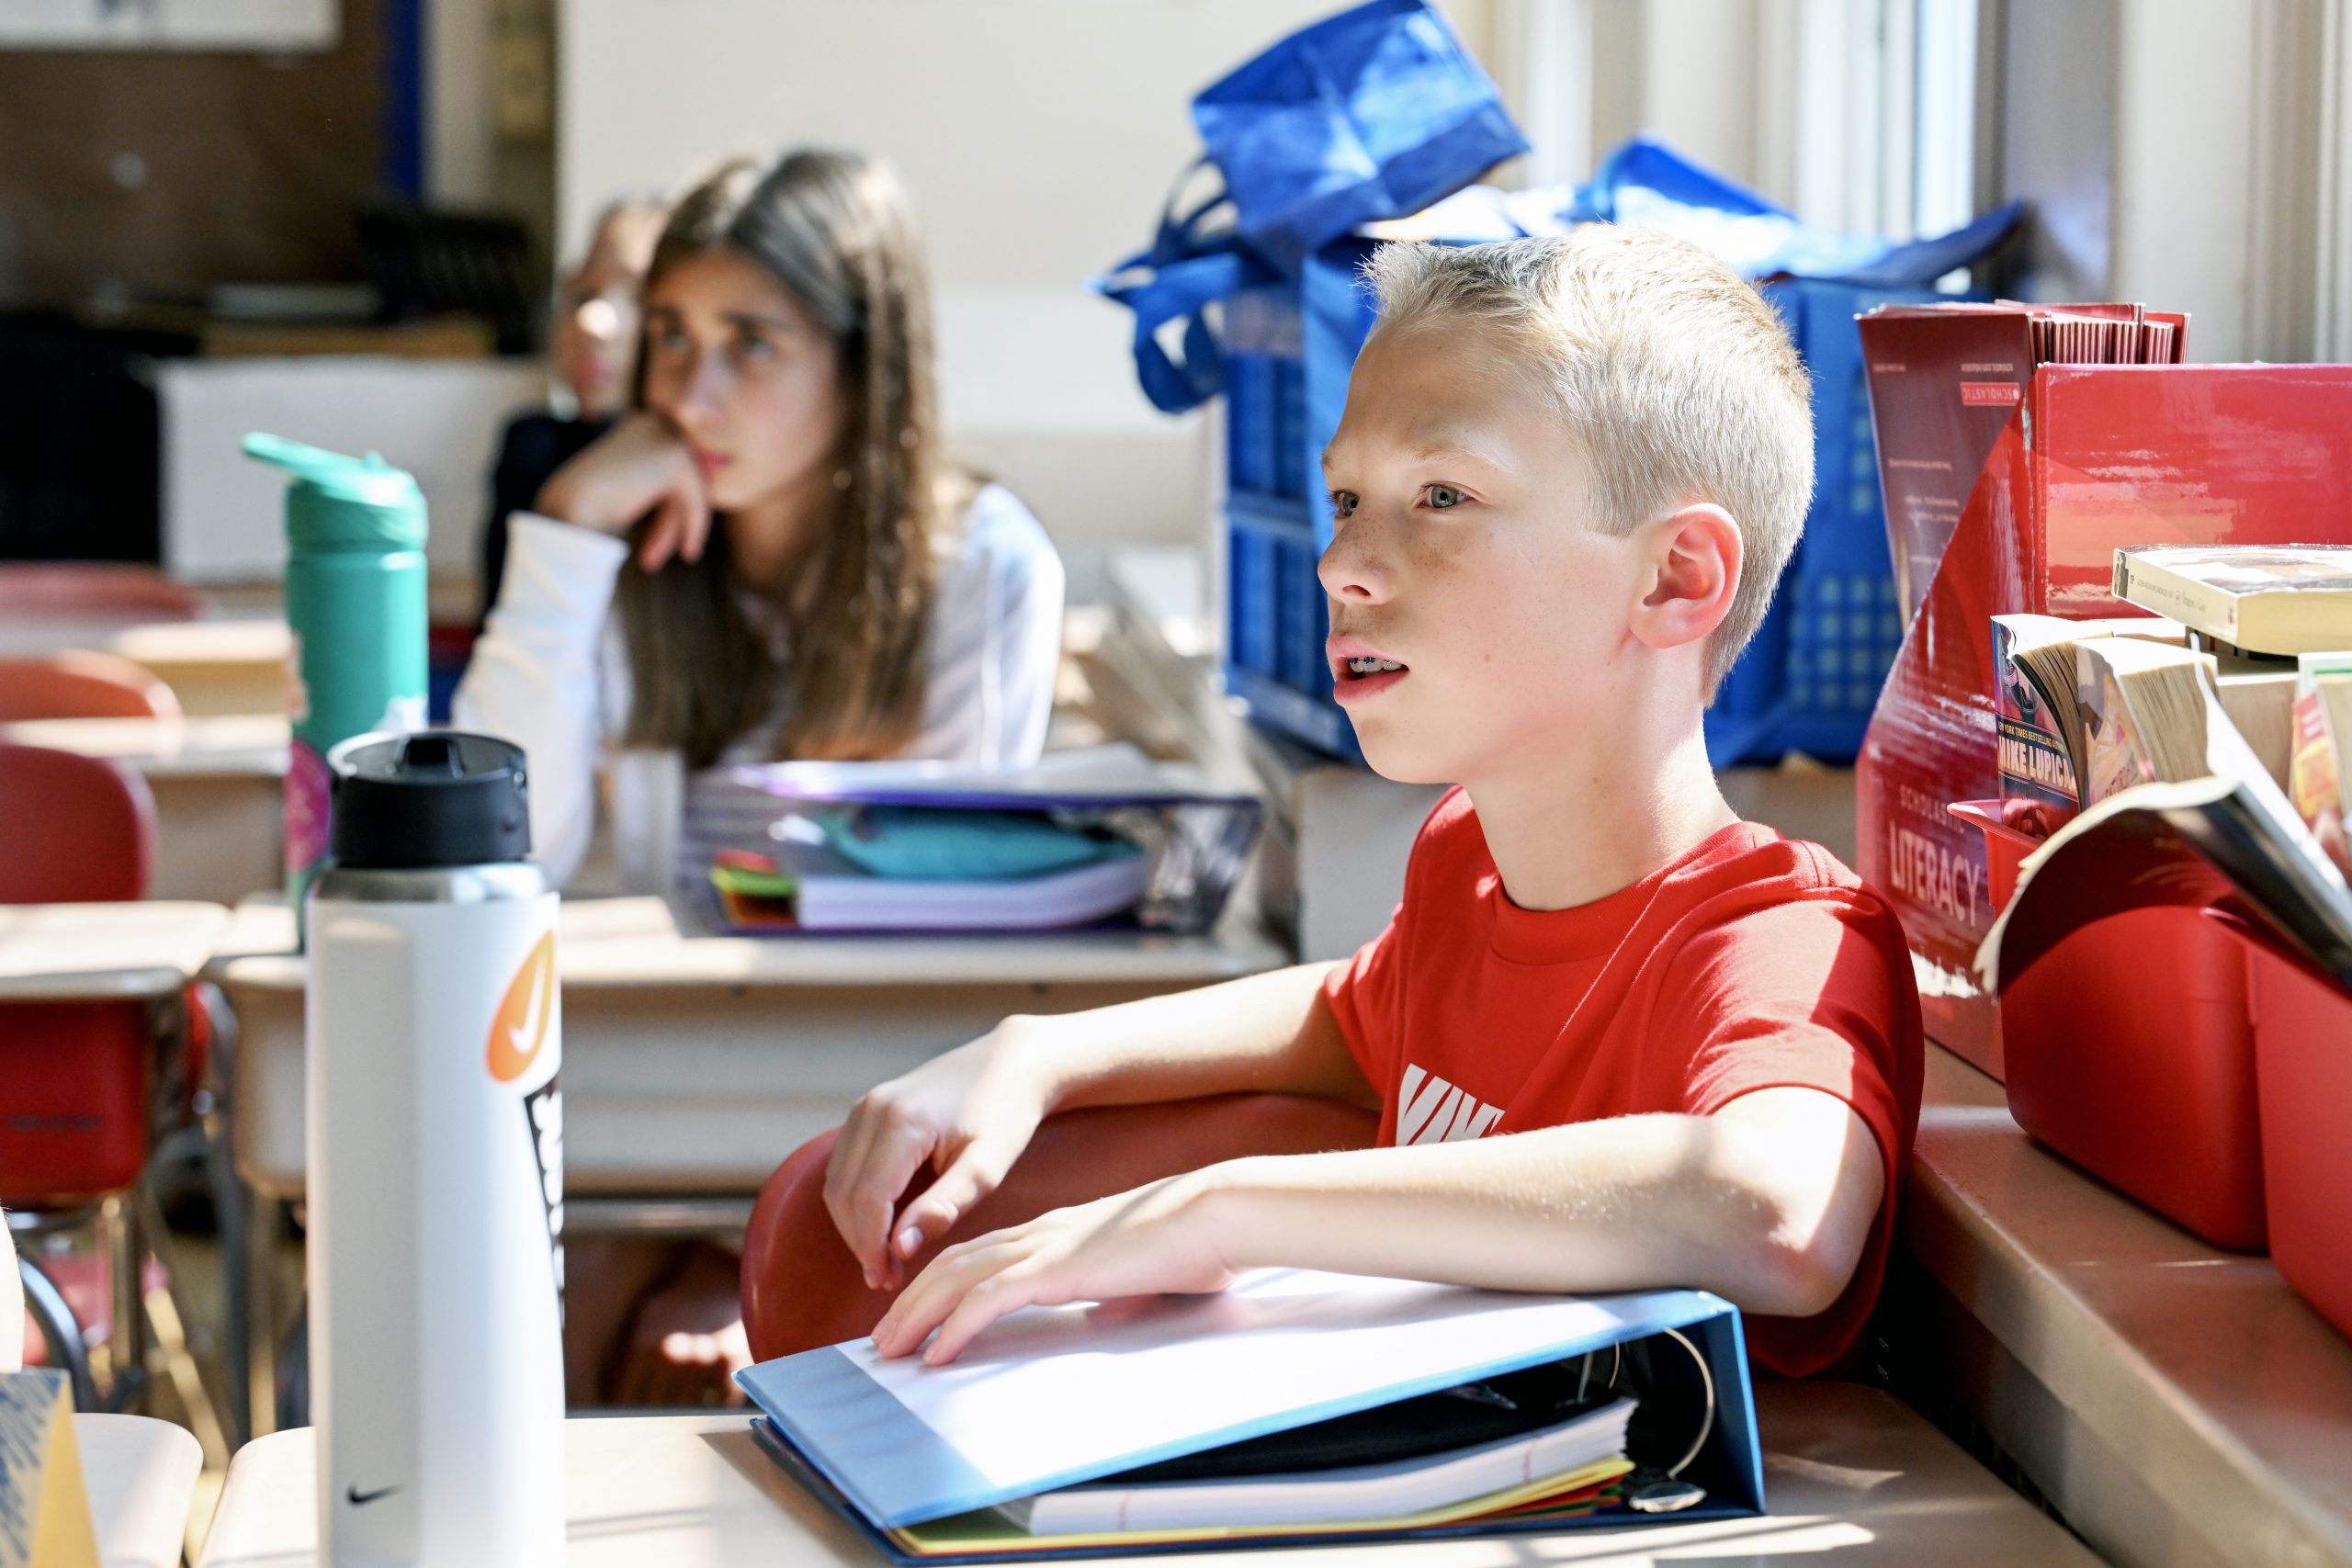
(435, 1168)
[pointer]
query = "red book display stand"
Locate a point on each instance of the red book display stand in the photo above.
(2094, 456)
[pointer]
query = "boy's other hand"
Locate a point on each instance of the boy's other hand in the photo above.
(1152, 1241)
(639, 469)
(969, 1114)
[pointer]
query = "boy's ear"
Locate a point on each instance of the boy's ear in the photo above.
(1692, 563)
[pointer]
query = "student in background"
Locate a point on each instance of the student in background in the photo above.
(1616, 1038)
(591, 348)
(768, 558)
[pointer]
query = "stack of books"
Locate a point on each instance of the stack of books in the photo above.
(2205, 752)
(1099, 837)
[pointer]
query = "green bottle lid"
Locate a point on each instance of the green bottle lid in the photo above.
(343, 503)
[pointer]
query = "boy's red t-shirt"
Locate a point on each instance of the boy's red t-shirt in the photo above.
(1752, 961)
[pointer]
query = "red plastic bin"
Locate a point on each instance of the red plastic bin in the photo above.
(2130, 1050)
(2302, 1034)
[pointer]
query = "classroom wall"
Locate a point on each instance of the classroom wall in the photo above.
(1039, 138)
(2170, 149)
(158, 174)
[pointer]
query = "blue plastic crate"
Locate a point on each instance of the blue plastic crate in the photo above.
(1812, 674)
(1276, 619)
(1264, 392)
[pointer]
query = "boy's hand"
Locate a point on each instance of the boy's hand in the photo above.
(1151, 1241)
(968, 1113)
(640, 466)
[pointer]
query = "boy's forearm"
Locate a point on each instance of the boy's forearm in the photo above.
(1631, 1203)
(1271, 1032)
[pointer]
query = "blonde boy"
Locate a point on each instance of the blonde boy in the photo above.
(1617, 1037)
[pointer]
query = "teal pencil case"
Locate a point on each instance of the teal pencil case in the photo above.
(906, 843)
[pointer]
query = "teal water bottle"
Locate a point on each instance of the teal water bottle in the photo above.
(355, 600)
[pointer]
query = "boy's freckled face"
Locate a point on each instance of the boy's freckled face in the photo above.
(1462, 550)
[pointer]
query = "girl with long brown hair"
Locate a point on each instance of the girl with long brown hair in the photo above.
(770, 559)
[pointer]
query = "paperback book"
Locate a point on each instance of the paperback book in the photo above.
(2279, 600)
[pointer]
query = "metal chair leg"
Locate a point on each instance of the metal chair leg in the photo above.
(166, 1324)
(233, 1206)
(67, 1349)
(264, 1235)
(125, 1343)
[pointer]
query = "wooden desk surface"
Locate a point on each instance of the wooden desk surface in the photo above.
(1852, 1477)
(204, 746)
(141, 1478)
(103, 951)
(2178, 1403)
(641, 944)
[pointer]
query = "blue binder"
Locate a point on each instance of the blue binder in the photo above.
(1051, 1397)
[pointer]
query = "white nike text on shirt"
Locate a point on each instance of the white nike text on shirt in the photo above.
(1431, 1111)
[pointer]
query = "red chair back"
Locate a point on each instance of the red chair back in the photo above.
(801, 1287)
(81, 830)
(75, 1077)
(81, 685)
(96, 589)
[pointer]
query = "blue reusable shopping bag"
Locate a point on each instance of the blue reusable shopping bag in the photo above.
(1373, 113)
(1193, 262)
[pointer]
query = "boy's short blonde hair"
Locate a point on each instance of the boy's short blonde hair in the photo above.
(1678, 381)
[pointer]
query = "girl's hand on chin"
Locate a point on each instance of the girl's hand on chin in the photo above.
(639, 467)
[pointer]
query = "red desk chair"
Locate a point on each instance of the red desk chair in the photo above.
(78, 1089)
(81, 685)
(801, 1287)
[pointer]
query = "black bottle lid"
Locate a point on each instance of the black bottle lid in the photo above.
(432, 797)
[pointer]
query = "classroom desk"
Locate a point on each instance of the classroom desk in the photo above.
(146, 952)
(86, 953)
(2177, 1404)
(218, 785)
(141, 1474)
(214, 667)
(1851, 1475)
(693, 1064)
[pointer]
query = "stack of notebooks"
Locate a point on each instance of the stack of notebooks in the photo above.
(1295, 1407)
(1091, 838)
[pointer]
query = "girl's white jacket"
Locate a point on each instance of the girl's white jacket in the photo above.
(550, 672)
